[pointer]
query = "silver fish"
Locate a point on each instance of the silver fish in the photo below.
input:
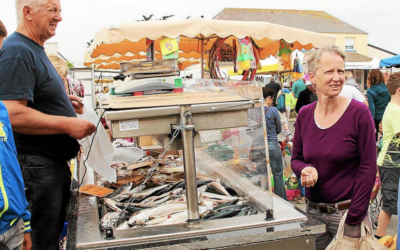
(141, 217)
(112, 204)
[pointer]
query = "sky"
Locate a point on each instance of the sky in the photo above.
(82, 19)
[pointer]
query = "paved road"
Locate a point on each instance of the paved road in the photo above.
(392, 228)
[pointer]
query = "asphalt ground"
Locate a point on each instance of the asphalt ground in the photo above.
(392, 228)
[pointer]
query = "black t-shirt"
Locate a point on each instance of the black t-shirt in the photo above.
(27, 73)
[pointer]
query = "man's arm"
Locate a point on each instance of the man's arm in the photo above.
(27, 244)
(29, 121)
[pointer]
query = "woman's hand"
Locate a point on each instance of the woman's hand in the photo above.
(76, 104)
(309, 176)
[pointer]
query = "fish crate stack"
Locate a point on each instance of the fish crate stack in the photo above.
(151, 203)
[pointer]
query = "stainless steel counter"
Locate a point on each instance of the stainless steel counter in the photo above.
(289, 224)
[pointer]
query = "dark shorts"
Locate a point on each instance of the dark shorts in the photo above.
(390, 184)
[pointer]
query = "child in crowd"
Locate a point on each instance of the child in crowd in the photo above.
(389, 157)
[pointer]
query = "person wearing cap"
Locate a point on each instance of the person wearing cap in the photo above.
(306, 96)
(334, 150)
(289, 103)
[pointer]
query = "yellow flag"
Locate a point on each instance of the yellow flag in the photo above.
(168, 45)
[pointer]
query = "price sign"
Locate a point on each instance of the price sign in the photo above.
(168, 45)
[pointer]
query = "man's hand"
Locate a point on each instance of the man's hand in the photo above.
(79, 128)
(27, 244)
(76, 103)
(309, 176)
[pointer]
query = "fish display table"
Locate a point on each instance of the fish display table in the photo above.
(155, 115)
(290, 227)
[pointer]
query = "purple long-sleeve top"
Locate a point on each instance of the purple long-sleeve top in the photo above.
(343, 154)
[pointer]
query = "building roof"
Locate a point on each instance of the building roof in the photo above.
(317, 21)
(378, 48)
(357, 57)
(351, 57)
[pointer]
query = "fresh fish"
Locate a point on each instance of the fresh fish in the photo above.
(242, 202)
(141, 217)
(123, 226)
(176, 218)
(180, 184)
(162, 198)
(209, 204)
(122, 197)
(112, 204)
(203, 182)
(217, 188)
(229, 188)
(233, 202)
(244, 211)
(182, 217)
(219, 197)
(202, 189)
(157, 220)
(148, 192)
(122, 190)
(221, 214)
(231, 207)
(113, 219)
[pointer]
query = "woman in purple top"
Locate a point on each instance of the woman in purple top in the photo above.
(334, 150)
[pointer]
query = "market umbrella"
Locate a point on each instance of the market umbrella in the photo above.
(198, 35)
(393, 61)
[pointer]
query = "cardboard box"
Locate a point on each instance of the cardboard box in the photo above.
(146, 141)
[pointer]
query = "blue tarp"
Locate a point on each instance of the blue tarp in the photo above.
(393, 61)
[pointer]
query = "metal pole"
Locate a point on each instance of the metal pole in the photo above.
(269, 170)
(202, 57)
(189, 162)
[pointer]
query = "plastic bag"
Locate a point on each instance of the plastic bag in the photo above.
(102, 152)
(366, 242)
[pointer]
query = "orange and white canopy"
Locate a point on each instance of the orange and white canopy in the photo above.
(127, 42)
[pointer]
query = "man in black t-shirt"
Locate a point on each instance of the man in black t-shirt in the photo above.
(275, 87)
(43, 118)
(306, 96)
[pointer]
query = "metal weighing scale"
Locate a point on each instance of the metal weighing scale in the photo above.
(149, 76)
(196, 111)
(149, 84)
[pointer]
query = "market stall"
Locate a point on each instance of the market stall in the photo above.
(210, 122)
(390, 62)
(127, 42)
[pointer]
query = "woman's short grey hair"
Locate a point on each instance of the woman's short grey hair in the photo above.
(313, 62)
(34, 4)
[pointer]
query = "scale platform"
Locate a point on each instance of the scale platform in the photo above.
(149, 84)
